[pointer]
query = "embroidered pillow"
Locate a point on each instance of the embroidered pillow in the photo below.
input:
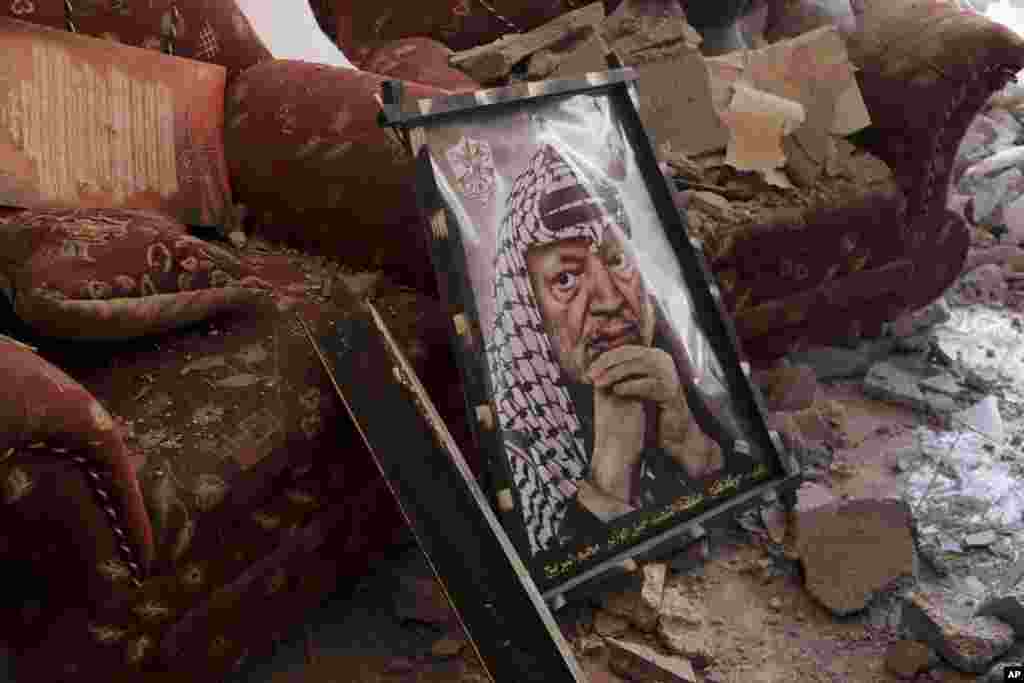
(116, 274)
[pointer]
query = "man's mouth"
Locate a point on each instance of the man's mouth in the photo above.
(614, 336)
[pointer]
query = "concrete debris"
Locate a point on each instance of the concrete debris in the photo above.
(915, 322)
(788, 388)
(981, 539)
(942, 384)
(491, 62)
(984, 417)
(645, 617)
(638, 662)
(1008, 609)
(833, 362)
(712, 204)
(984, 284)
(852, 551)
(587, 56)
(775, 522)
(608, 624)
(681, 627)
(448, 646)
(907, 658)
(621, 604)
(969, 643)
(888, 382)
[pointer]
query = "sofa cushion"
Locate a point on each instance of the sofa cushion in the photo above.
(310, 161)
(243, 445)
(214, 31)
(46, 12)
(45, 412)
(114, 274)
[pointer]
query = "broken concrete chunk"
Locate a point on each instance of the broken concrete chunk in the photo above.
(758, 122)
(608, 624)
(935, 313)
(788, 388)
(448, 646)
(984, 417)
(622, 604)
(681, 626)
(774, 519)
(833, 362)
(629, 35)
(970, 644)
(888, 382)
(907, 658)
(646, 615)
(853, 551)
(589, 56)
(942, 384)
(491, 62)
(710, 203)
(1009, 609)
(643, 663)
(981, 539)
(676, 104)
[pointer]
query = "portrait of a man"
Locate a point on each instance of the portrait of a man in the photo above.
(599, 410)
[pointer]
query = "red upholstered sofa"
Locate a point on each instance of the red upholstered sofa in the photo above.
(171, 502)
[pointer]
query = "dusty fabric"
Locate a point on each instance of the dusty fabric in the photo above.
(44, 408)
(260, 492)
(309, 160)
(115, 274)
(46, 12)
(214, 31)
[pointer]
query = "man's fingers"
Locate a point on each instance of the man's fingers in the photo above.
(634, 367)
(613, 357)
(644, 387)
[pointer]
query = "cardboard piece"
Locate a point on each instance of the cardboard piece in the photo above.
(86, 122)
(488, 63)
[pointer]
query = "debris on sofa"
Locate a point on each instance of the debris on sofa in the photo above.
(494, 61)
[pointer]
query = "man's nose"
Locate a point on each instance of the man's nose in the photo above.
(605, 297)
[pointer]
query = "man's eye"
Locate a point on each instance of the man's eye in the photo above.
(566, 281)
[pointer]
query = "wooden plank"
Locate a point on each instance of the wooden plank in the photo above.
(91, 123)
(485, 581)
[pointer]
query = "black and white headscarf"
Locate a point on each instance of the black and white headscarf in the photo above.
(552, 200)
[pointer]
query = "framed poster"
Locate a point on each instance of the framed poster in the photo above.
(604, 375)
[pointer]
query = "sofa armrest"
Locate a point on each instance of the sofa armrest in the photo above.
(926, 69)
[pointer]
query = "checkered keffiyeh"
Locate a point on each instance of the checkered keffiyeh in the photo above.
(551, 200)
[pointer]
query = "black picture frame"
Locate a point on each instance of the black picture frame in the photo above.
(658, 525)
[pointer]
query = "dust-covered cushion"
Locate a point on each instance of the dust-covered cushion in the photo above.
(214, 31)
(116, 274)
(42, 407)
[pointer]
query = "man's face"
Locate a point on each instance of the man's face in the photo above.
(591, 301)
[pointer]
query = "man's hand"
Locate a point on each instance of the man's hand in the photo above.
(637, 372)
(645, 373)
(619, 426)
